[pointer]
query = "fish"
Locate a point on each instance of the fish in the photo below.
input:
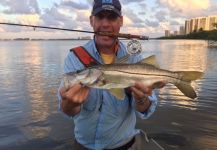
(120, 75)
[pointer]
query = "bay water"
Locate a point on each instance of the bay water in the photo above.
(30, 73)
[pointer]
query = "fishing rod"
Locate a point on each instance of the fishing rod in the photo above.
(121, 35)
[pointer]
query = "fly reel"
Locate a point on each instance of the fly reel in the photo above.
(134, 47)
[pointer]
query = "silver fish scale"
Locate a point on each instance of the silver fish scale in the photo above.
(143, 69)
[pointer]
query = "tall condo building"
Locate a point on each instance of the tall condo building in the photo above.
(200, 23)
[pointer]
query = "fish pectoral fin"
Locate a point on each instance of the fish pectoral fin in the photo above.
(151, 60)
(118, 93)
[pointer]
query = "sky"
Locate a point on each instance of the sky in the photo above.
(143, 17)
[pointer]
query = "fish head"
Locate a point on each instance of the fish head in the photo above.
(86, 77)
(69, 80)
(89, 77)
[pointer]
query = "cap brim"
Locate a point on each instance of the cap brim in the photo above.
(100, 9)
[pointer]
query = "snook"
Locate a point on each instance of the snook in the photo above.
(120, 76)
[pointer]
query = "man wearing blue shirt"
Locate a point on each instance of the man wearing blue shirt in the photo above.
(101, 121)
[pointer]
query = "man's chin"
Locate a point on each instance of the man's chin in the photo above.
(106, 40)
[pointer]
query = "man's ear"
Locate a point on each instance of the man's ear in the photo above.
(121, 21)
(91, 21)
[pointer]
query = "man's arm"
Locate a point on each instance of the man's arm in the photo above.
(73, 98)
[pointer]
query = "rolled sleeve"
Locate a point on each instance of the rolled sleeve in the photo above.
(151, 109)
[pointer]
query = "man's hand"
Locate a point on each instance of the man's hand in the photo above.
(73, 98)
(141, 92)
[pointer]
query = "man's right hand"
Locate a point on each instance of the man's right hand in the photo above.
(73, 98)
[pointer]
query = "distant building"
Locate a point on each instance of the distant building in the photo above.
(182, 30)
(167, 33)
(200, 23)
(187, 27)
(175, 33)
(212, 19)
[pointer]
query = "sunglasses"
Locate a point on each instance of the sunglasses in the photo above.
(107, 15)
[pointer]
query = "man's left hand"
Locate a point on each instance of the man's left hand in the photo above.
(141, 92)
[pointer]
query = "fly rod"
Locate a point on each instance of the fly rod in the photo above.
(122, 35)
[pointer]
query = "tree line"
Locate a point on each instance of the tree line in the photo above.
(201, 34)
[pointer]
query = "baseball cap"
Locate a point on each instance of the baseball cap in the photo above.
(109, 5)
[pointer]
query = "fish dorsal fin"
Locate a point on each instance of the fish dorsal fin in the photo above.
(123, 59)
(151, 60)
(118, 93)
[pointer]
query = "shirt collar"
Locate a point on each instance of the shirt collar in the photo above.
(120, 50)
(117, 46)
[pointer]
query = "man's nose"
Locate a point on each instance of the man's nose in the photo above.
(105, 22)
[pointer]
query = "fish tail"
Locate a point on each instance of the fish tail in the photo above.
(185, 84)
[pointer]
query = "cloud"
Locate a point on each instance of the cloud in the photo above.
(20, 7)
(75, 5)
(161, 15)
(54, 17)
(151, 23)
(132, 16)
(185, 8)
(144, 8)
(29, 19)
(66, 17)
(185, 4)
(131, 19)
(126, 2)
(174, 22)
(140, 16)
(82, 16)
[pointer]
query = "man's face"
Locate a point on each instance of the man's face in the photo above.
(106, 21)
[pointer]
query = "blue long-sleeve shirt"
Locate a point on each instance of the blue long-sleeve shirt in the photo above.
(104, 121)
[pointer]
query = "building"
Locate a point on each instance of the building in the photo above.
(175, 33)
(187, 27)
(212, 19)
(167, 33)
(181, 30)
(200, 23)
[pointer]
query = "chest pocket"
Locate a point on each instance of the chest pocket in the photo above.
(91, 102)
(114, 107)
(122, 106)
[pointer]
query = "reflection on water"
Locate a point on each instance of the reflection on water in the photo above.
(35, 87)
(193, 120)
(30, 72)
(184, 55)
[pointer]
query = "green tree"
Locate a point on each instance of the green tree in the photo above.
(215, 25)
(212, 35)
(201, 29)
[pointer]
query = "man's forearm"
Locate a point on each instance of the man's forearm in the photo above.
(70, 108)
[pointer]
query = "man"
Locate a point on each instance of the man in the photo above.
(101, 121)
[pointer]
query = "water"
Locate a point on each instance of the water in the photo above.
(30, 72)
